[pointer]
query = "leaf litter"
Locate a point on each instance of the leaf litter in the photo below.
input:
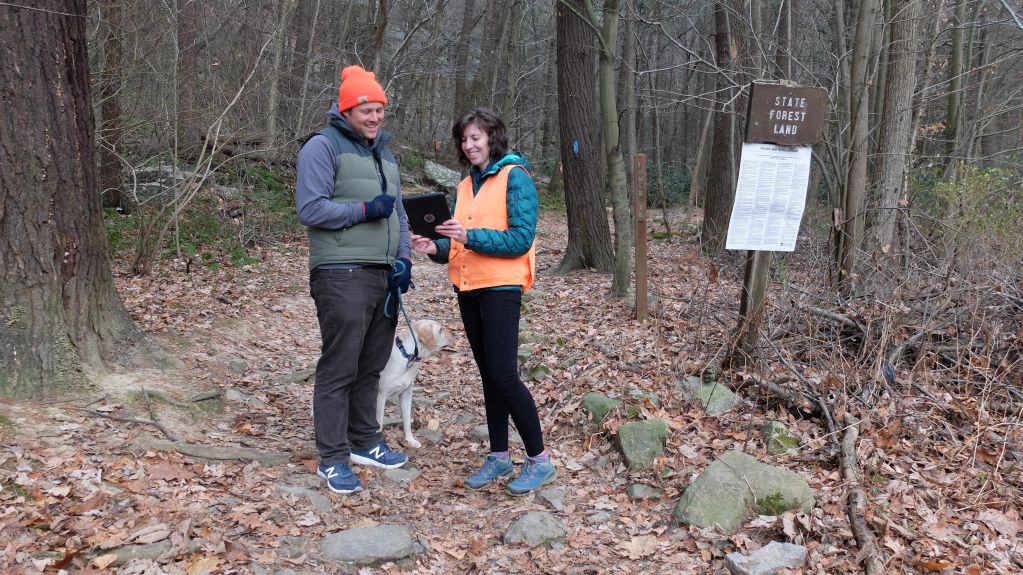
(90, 494)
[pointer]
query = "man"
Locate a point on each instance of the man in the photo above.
(348, 195)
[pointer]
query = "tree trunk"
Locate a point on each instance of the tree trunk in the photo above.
(897, 120)
(589, 238)
(490, 55)
(186, 77)
(305, 36)
(610, 132)
(854, 194)
(513, 62)
(721, 177)
(550, 103)
(379, 32)
(111, 171)
(461, 99)
(956, 69)
(59, 311)
(276, 67)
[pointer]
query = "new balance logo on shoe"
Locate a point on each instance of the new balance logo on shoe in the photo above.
(340, 478)
(379, 456)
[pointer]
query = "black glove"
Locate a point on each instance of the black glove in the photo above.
(379, 207)
(401, 275)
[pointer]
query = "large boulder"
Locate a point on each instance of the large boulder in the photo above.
(445, 178)
(737, 487)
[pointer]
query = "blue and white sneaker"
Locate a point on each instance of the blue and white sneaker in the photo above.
(379, 456)
(493, 467)
(340, 478)
(534, 475)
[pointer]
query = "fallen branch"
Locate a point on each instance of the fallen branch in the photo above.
(220, 453)
(155, 424)
(832, 315)
(870, 553)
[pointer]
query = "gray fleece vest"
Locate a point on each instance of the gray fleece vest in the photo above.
(357, 179)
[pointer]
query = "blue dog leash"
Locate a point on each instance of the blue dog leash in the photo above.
(396, 294)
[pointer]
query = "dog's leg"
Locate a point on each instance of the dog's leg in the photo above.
(381, 401)
(406, 418)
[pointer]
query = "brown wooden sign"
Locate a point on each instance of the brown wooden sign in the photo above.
(785, 115)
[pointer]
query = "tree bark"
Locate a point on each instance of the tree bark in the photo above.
(854, 195)
(282, 12)
(621, 207)
(897, 121)
(721, 177)
(589, 237)
(461, 99)
(59, 311)
(111, 171)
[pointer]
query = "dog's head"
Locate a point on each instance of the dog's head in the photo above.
(432, 336)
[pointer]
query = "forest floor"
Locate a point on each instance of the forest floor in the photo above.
(79, 481)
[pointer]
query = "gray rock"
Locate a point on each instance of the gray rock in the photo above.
(480, 433)
(232, 394)
(737, 487)
(598, 406)
(429, 435)
(714, 398)
(642, 442)
(553, 498)
(640, 491)
(237, 365)
(442, 176)
(535, 528)
(767, 560)
(318, 500)
(295, 377)
(779, 440)
(369, 545)
(402, 475)
(598, 518)
(642, 394)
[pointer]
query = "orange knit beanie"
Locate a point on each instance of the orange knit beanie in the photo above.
(358, 87)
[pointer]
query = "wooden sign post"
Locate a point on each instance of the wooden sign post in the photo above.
(782, 122)
(639, 211)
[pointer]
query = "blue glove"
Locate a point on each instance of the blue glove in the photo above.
(379, 207)
(401, 275)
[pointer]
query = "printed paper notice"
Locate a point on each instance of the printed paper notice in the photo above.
(769, 198)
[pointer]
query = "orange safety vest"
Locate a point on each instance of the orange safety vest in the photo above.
(488, 209)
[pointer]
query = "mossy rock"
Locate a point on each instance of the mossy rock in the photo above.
(598, 406)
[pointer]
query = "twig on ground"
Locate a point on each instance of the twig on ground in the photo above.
(155, 424)
(832, 315)
(870, 553)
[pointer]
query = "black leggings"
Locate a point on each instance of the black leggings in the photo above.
(491, 320)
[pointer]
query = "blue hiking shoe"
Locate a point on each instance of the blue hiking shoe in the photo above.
(491, 470)
(534, 475)
(379, 456)
(340, 478)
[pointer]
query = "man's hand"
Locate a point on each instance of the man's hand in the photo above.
(379, 207)
(401, 275)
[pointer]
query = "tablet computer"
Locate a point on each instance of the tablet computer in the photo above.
(425, 212)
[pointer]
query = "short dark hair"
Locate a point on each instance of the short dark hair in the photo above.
(487, 121)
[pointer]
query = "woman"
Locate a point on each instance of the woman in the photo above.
(488, 246)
